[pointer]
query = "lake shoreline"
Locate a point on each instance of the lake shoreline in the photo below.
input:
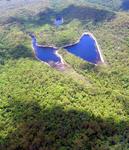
(97, 45)
(33, 37)
(41, 46)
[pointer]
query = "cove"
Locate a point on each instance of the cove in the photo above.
(46, 54)
(86, 48)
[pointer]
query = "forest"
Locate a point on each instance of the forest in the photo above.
(84, 107)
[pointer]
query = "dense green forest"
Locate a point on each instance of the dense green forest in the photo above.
(84, 107)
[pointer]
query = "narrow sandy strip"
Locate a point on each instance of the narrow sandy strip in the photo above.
(97, 45)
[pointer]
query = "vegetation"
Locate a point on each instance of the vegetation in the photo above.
(85, 107)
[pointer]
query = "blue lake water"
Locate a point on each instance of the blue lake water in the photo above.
(86, 49)
(58, 21)
(46, 54)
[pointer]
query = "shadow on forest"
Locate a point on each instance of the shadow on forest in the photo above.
(20, 51)
(56, 128)
(82, 13)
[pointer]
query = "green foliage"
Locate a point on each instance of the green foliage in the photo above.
(83, 107)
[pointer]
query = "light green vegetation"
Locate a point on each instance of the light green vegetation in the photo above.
(85, 107)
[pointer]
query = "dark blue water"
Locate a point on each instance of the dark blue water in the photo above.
(58, 21)
(46, 54)
(125, 4)
(86, 49)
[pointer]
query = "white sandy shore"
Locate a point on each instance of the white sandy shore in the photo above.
(56, 53)
(96, 43)
(56, 49)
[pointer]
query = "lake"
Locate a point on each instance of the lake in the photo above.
(58, 21)
(87, 49)
(45, 53)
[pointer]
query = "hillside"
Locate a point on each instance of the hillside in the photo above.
(84, 107)
(111, 4)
